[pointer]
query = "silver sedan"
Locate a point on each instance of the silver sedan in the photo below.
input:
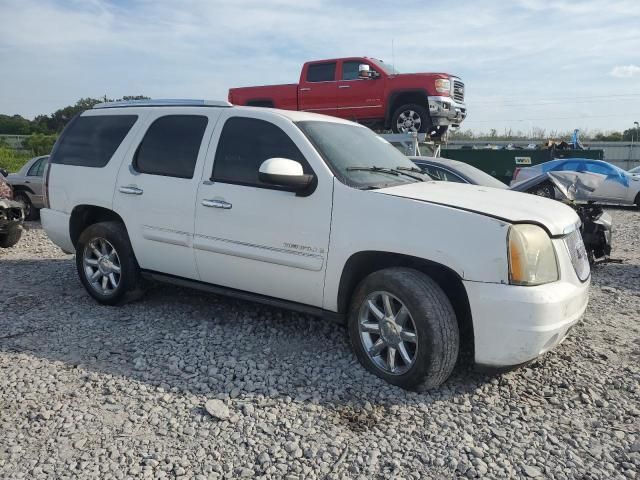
(27, 186)
(618, 186)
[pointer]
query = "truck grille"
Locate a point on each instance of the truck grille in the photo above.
(578, 254)
(458, 91)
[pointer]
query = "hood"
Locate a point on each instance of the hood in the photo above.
(573, 186)
(421, 75)
(513, 207)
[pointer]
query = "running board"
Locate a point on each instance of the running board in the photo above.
(243, 295)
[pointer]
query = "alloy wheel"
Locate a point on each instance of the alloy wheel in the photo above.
(388, 333)
(409, 121)
(102, 266)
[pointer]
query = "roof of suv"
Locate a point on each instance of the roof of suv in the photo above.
(292, 115)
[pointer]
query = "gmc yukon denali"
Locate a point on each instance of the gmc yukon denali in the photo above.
(368, 91)
(316, 214)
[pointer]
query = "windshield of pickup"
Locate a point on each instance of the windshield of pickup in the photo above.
(350, 150)
(387, 68)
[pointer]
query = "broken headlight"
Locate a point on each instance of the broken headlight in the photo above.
(532, 258)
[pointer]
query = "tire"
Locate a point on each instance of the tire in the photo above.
(545, 190)
(411, 112)
(30, 212)
(637, 201)
(10, 238)
(107, 237)
(434, 350)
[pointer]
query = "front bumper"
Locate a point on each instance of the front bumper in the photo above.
(446, 112)
(513, 324)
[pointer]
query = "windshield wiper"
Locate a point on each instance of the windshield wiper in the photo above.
(392, 171)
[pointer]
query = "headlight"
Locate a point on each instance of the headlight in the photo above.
(532, 258)
(443, 85)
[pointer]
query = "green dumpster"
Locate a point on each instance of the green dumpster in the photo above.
(501, 163)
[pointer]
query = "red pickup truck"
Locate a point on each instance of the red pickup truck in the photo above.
(368, 91)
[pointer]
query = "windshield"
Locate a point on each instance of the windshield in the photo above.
(387, 68)
(350, 149)
(478, 176)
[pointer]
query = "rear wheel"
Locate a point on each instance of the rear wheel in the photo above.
(403, 328)
(30, 212)
(106, 263)
(11, 237)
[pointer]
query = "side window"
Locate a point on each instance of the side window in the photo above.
(37, 168)
(452, 177)
(350, 70)
(247, 142)
(321, 72)
(91, 141)
(597, 168)
(171, 145)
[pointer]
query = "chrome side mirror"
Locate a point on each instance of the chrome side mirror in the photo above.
(284, 172)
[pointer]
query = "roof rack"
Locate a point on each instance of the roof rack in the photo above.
(169, 102)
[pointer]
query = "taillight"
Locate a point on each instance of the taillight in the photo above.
(515, 173)
(45, 190)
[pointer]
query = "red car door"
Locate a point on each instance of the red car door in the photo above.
(360, 98)
(317, 90)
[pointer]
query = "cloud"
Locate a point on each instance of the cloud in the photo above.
(54, 51)
(625, 71)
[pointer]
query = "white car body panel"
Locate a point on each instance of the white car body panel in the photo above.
(160, 220)
(269, 242)
(511, 206)
(295, 248)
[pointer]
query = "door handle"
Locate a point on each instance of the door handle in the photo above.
(305, 89)
(130, 190)
(27, 181)
(217, 204)
(344, 86)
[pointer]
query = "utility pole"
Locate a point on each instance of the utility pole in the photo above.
(636, 131)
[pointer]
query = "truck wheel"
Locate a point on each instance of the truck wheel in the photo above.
(30, 212)
(106, 263)
(10, 238)
(410, 118)
(544, 190)
(403, 328)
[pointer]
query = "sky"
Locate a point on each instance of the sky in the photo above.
(526, 64)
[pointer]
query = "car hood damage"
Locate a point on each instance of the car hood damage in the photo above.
(512, 207)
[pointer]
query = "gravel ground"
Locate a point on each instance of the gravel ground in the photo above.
(188, 385)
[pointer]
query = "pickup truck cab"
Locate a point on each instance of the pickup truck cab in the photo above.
(368, 91)
(320, 215)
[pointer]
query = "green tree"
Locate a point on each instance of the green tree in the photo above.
(39, 143)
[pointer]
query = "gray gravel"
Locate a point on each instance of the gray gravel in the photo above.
(186, 385)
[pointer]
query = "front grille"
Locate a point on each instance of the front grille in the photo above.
(458, 91)
(578, 254)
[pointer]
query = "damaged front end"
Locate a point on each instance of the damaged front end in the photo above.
(575, 189)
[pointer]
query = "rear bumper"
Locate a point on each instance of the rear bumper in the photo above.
(56, 225)
(446, 111)
(514, 325)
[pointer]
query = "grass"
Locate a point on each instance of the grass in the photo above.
(13, 160)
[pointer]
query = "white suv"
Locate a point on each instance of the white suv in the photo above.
(319, 215)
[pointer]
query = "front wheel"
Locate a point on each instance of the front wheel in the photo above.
(544, 190)
(403, 328)
(410, 118)
(30, 212)
(106, 263)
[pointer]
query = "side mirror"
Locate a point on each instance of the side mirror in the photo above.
(4, 172)
(364, 71)
(284, 173)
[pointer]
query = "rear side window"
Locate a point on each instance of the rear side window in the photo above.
(321, 72)
(171, 145)
(247, 142)
(37, 168)
(92, 141)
